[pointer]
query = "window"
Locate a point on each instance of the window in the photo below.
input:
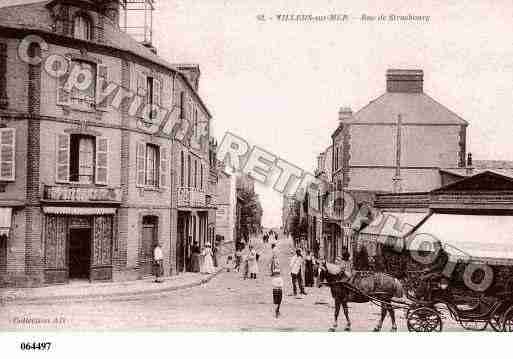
(149, 88)
(201, 177)
(82, 28)
(189, 171)
(152, 168)
(82, 159)
(7, 150)
(182, 169)
(151, 165)
(83, 94)
(81, 167)
(182, 105)
(195, 174)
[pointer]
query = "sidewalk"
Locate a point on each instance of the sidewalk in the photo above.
(85, 291)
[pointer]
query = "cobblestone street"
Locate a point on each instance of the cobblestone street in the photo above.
(227, 302)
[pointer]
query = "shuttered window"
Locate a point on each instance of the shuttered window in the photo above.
(163, 168)
(101, 83)
(82, 159)
(63, 158)
(7, 152)
(152, 165)
(83, 94)
(201, 177)
(141, 164)
(152, 160)
(102, 160)
(182, 169)
(82, 28)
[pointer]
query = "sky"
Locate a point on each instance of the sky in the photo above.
(279, 85)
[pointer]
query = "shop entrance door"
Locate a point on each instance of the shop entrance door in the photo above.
(149, 240)
(79, 253)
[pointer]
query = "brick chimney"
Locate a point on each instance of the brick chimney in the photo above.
(469, 169)
(345, 114)
(405, 81)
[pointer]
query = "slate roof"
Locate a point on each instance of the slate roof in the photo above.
(418, 108)
(33, 15)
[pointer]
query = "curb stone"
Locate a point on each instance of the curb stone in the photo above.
(11, 298)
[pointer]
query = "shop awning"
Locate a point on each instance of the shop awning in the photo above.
(393, 224)
(5, 221)
(472, 237)
(79, 211)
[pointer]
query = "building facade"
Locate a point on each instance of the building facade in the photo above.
(375, 150)
(226, 207)
(90, 183)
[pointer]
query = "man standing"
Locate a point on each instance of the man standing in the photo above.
(296, 263)
(157, 258)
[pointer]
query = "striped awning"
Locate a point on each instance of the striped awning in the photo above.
(79, 211)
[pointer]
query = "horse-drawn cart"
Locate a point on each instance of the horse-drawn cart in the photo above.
(427, 302)
(426, 311)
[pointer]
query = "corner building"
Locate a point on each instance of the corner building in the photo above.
(88, 187)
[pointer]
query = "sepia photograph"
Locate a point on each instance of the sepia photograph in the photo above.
(272, 167)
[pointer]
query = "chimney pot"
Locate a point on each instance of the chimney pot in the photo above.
(405, 81)
(345, 113)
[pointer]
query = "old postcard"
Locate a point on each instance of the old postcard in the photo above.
(272, 166)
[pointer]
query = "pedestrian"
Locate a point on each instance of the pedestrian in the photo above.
(252, 262)
(195, 257)
(157, 260)
(277, 284)
(228, 264)
(275, 261)
(238, 258)
(208, 263)
(214, 255)
(296, 262)
(309, 269)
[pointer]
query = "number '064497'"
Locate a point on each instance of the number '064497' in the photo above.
(45, 346)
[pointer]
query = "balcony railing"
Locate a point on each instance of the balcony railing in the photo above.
(193, 197)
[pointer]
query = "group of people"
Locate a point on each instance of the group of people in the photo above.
(199, 261)
(270, 236)
(246, 259)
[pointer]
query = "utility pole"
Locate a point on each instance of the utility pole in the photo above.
(397, 178)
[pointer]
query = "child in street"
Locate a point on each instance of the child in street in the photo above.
(277, 284)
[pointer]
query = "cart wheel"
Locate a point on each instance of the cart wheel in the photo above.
(424, 319)
(507, 323)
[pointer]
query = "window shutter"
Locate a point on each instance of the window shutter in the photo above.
(102, 161)
(141, 164)
(7, 152)
(63, 94)
(102, 78)
(157, 88)
(141, 84)
(62, 163)
(163, 168)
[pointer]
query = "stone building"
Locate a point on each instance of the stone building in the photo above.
(377, 148)
(91, 176)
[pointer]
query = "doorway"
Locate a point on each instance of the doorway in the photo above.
(79, 262)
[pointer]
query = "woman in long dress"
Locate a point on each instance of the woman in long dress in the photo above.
(309, 270)
(208, 263)
(252, 263)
